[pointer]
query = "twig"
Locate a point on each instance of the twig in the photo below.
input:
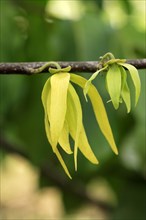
(85, 66)
(52, 174)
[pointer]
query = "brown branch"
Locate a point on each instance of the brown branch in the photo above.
(51, 173)
(87, 66)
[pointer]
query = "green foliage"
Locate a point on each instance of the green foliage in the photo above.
(29, 34)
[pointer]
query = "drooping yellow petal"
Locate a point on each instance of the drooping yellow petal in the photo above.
(125, 92)
(99, 110)
(46, 95)
(113, 82)
(62, 162)
(56, 149)
(58, 105)
(64, 136)
(45, 92)
(64, 139)
(46, 99)
(85, 148)
(94, 75)
(47, 128)
(82, 141)
(75, 111)
(135, 78)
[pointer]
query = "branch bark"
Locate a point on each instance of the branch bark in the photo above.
(81, 66)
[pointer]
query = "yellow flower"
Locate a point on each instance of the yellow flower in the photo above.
(63, 115)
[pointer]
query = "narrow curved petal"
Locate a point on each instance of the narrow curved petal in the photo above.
(58, 105)
(64, 139)
(82, 141)
(87, 85)
(62, 162)
(99, 110)
(75, 112)
(56, 149)
(46, 95)
(85, 148)
(135, 78)
(113, 82)
(45, 99)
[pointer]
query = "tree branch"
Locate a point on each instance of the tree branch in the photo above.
(52, 174)
(87, 66)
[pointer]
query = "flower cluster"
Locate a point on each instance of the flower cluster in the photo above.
(63, 115)
(116, 80)
(63, 111)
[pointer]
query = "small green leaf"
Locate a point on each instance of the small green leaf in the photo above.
(113, 80)
(99, 110)
(135, 78)
(125, 92)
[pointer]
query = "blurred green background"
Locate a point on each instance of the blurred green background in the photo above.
(78, 30)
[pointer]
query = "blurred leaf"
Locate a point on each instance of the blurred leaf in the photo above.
(132, 202)
(127, 6)
(99, 3)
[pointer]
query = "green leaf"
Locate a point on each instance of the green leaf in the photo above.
(125, 92)
(113, 82)
(135, 78)
(58, 105)
(99, 110)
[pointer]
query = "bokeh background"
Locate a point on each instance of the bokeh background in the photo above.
(32, 182)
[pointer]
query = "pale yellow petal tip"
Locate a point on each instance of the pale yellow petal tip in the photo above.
(128, 111)
(70, 177)
(75, 161)
(116, 151)
(68, 174)
(69, 152)
(96, 162)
